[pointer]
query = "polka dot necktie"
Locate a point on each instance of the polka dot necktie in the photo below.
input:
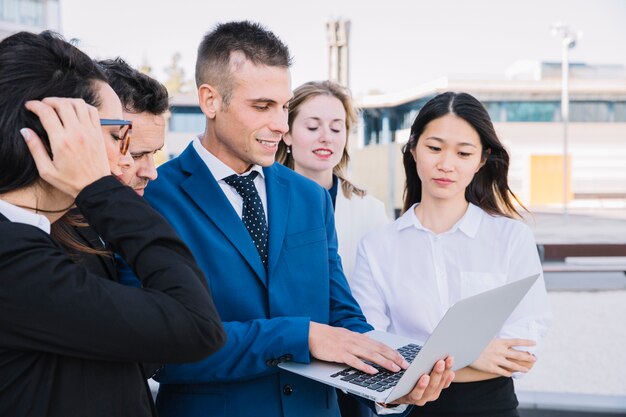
(253, 215)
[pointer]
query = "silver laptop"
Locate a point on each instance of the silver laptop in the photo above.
(464, 332)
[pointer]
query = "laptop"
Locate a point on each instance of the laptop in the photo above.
(463, 332)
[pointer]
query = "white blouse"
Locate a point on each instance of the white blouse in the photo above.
(406, 277)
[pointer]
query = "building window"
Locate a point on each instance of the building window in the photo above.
(619, 111)
(495, 110)
(24, 12)
(589, 111)
(531, 111)
(187, 119)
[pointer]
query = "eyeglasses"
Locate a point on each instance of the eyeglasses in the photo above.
(123, 136)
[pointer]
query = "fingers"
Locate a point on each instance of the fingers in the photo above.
(38, 151)
(520, 355)
(358, 364)
(382, 355)
(76, 143)
(429, 387)
(519, 342)
(354, 349)
(366, 349)
(449, 373)
(48, 117)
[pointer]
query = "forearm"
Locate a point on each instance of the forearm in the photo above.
(253, 349)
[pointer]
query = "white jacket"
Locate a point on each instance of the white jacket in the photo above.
(354, 218)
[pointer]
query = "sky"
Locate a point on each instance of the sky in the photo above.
(394, 44)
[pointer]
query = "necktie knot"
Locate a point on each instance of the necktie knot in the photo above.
(243, 184)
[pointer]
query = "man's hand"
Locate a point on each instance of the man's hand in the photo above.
(429, 387)
(336, 344)
(501, 358)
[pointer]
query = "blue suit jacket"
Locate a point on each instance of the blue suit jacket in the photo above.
(266, 314)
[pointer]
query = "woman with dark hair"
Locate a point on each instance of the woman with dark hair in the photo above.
(72, 343)
(458, 237)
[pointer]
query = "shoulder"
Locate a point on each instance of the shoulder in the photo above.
(288, 176)
(381, 238)
(18, 238)
(506, 227)
(367, 201)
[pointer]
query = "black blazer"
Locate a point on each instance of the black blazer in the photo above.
(101, 265)
(70, 341)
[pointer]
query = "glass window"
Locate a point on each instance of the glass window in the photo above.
(28, 12)
(619, 111)
(187, 119)
(495, 110)
(589, 111)
(531, 111)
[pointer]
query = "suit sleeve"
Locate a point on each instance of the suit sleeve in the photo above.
(344, 309)
(255, 347)
(51, 304)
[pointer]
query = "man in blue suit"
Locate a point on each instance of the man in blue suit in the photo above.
(265, 239)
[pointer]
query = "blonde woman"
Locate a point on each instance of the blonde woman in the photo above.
(321, 116)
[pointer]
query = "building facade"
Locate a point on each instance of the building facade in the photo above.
(526, 111)
(29, 15)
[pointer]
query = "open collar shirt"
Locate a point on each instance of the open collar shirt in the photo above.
(220, 170)
(406, 276)
(19, 215)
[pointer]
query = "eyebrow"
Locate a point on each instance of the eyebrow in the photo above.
(147, 150)
(262, 100)
(332, 121)
(458, 144)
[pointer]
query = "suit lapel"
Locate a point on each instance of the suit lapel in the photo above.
(203, 189)
(277, 209)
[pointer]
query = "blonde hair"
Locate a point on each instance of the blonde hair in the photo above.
(328, 88)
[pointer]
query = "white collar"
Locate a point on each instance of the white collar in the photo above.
(468, 224)
(19, 215)
(219, 169)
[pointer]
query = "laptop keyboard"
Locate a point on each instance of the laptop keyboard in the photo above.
(384, 379)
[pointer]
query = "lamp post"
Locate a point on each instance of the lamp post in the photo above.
(568, 41)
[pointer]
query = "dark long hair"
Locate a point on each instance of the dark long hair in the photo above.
(33, 67)
(489, 189)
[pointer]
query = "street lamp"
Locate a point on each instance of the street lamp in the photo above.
(568, 41)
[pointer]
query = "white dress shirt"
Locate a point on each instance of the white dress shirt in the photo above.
(406, 276)
(19, 215)
(220, 170)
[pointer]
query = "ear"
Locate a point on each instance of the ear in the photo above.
(413, 153)
(210, 100)
(287, 139)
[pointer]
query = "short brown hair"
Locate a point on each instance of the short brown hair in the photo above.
(253, 41)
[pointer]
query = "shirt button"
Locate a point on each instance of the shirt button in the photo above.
(287, 390)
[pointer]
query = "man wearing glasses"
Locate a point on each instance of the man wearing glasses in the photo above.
(139, 135)
(145, 103)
